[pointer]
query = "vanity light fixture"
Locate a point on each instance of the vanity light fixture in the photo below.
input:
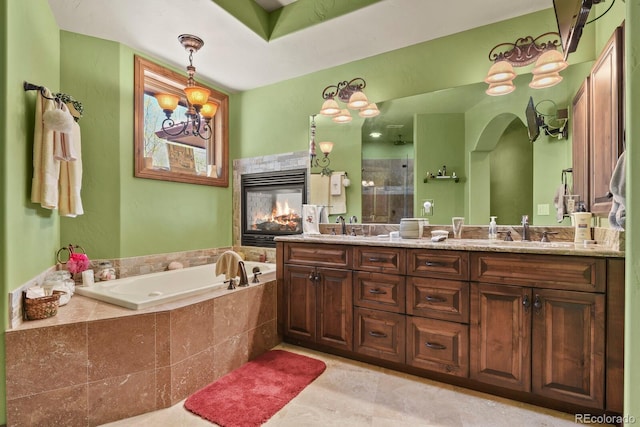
(200, 110)
(350, 93)
(325, 147)
(543, 50)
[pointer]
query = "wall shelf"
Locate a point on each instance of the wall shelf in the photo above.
(440, 178)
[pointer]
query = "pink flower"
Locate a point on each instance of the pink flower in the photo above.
(77, 263)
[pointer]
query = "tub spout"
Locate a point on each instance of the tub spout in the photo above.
(244, 281)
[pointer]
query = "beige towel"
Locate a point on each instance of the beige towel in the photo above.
(228, 264)
(558, 202)
(338, 203)
(70, 203)
(336, 183)
(63, 144)
(44, 184)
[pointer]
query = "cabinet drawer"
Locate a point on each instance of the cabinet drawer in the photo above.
(543, 271)
(379, 291)
(438, 299)
(437, 345)
(317, 255)
(382, 260)
(438, 264)
(380, 334)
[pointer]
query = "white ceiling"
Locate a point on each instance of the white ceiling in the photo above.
(235, 58)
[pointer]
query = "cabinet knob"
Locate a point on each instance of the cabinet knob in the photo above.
(537, 304)
(526, 303)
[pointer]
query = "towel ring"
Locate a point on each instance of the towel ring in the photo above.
(69, 250)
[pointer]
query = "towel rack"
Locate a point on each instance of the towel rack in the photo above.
(61, 97)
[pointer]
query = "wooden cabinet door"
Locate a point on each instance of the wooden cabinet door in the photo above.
(606, 121)
(500, 335)
(334, 308)
(299, 302)
(568, 346)
(580, 142)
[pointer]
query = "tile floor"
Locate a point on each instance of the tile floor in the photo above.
(353, 394)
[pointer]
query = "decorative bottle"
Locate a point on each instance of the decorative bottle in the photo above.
(493, 228)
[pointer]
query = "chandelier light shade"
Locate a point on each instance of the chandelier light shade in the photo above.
(350, 92)
(541, 81)
(344, 116)
(551, 61)
(326, 147)
(543, 50)
(370, 110)
(200, 111)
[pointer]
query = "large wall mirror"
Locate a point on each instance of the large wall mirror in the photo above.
(173, 152)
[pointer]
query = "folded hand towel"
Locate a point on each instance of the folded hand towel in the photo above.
(228, 264)
(310, 219)
(558, 202)
(70, 203)
(336, 183)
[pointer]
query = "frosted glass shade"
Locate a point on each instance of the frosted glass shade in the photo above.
(358, 100)
(370, 110)
(197, 96)
(541, 81)
(551, 61)
(330, 108)
(167, 101)
(497, 89)
(500, 71)
(326, 147)
(343, 117)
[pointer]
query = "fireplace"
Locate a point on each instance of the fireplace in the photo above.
(271, 205)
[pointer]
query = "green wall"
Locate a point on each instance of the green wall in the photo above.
(127, 216)
(439, 141)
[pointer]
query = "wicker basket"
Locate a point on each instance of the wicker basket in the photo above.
(41, 307)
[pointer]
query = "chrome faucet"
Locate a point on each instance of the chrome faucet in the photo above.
(525, 228)
(343, 227)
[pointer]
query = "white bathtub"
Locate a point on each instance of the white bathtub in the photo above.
(147, 290)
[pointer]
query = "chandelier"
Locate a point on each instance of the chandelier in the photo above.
(325, 147)
(543, 50)
(200, 110)
(349, 92)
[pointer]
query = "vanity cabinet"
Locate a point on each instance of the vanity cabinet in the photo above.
(379, 300)
(542, 328)
(319, 298)
(438, 311)
(597, 127)
(547, 338)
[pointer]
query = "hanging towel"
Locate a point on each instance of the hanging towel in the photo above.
(618, 188)
(228, 264)
(323, 214)
(310, 219)
(63, 127)
(319, 189)
(338, 203)
(46, 169)
(70, 203)
(336, 183)
(558, 202)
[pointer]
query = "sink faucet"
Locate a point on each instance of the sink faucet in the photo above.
(343, 226)
(242, 272)
(353, 219)
(525, 228)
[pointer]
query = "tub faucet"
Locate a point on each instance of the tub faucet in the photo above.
(343, 227)
(525, 228)
(244, 281)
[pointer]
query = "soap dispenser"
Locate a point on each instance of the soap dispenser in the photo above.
(493, 228)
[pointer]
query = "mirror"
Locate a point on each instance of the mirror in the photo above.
(169, 154)
(471, 152)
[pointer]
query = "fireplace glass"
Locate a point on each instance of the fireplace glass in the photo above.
(272, 206)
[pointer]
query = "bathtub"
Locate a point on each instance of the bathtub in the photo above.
(138, 292)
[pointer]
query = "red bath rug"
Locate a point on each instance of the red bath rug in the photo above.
(251, 394)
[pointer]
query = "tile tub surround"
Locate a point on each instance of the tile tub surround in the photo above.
(95, 363)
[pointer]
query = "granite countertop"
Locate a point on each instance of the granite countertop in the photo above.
(484, 245)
